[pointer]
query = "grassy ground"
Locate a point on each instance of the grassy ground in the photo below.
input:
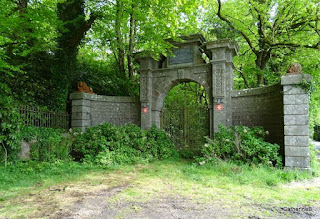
(60, 190)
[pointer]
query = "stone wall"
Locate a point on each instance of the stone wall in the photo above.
(260, 107)
(296, 122)
(91, 110)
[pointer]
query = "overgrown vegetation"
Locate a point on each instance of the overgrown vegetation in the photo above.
(241, 145)
(107, 144)
(48, 144)
(9, 124)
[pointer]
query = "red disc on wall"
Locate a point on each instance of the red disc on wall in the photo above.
(145, 110)
(219, 107)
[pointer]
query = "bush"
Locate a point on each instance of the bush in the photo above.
(9, 124)
(242, 145)
(107, 144)
(49, 144)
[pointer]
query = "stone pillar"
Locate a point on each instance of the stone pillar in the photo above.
(81, 109)
(296, 122)
(146, 66)
(223, 52)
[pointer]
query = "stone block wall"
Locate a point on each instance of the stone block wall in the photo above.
(91, 110)
(296, 122)
(260, 107)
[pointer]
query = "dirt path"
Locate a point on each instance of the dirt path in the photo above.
(99, 205)
(142, 193)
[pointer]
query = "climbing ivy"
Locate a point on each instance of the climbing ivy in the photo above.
(9, 124)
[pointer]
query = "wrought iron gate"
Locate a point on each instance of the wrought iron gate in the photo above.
(186, 126)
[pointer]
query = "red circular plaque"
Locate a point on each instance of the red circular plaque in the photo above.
(219, 107)
(145, 110)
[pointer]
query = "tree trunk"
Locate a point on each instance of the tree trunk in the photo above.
(121, 52)
(74, 28)
(22, 5)
(262, 59)
(131, 43)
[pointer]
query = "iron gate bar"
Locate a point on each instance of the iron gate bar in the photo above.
(186, 126)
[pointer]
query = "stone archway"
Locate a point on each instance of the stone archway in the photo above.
(188, 64)
(185, 117)
(163, 91)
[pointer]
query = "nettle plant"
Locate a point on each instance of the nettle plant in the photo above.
(241, 145)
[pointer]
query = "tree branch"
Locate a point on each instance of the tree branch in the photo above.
(77, 36)
(233, 28)
(243, 76)
(293, 45)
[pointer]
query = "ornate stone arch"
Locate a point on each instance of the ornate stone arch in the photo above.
(159, 100)
(209, 64)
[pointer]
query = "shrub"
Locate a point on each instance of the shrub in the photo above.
(9, 124)
(49, 144)
(107, 144)
(242, 145)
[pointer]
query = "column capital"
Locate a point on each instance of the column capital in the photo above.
(226, 43)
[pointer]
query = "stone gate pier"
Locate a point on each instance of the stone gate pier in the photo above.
(281, 109)
(296, 121)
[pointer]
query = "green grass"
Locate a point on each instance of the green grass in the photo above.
(223, 182)
(227, 181)
(15, 179)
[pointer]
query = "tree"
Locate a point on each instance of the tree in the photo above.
(269, 26)
(72, 31)
(27, 40)
(128, 26)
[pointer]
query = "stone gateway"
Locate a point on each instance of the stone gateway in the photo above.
(281, 109)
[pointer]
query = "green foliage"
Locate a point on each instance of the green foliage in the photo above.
(269, 32)
(9, 124)
(154, 21)
(242, 145)
(308, 87)
(316, 133)
(314, 163)
(48, 144)
(102, 75)
(27, 42)
(246, 174)
(107, 144)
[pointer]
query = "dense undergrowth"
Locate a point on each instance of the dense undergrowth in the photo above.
(107, 144)
(241, 145)
(237, 155)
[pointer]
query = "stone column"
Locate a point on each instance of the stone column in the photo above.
(296, 122)
(223, 52)
(146, 65)
(81, 109)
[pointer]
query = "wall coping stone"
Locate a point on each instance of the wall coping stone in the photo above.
(256, 91)
(232, 45)
(115, 99)
(295, 79)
